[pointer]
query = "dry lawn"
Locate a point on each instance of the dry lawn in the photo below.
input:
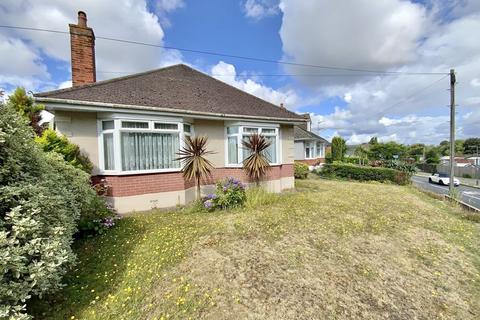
(330, 250)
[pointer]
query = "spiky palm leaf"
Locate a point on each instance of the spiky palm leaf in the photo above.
(256, 164)
(195, 165)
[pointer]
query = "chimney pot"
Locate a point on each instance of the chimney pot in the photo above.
(82, 19)
(282, 105)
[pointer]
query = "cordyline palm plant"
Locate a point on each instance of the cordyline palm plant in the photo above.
(256, 164)
(195, 165)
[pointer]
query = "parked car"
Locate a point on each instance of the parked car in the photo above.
(443, 179)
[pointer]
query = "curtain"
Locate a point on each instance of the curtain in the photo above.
(148, 151)
(232, 150)
(108, 151)
(271, 151)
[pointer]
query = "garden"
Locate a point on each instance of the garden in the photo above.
(377, 251)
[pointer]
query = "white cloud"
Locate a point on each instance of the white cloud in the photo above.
(226, 72)
(258, 9)
(124, 19)
(358, 34)
(388, 35)
(65, 84)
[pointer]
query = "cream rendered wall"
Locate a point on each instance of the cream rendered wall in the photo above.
(288, 149)
(81, 129)
(215, 131)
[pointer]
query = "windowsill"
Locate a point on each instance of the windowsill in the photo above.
(241, 166)
(127, 173)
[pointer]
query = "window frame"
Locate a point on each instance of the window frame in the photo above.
(312, 145)
(117, 148)
(241, 132)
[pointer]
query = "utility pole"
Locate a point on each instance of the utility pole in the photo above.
(452, 131)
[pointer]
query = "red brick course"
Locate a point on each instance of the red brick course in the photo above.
(312, 162)
(137, 184)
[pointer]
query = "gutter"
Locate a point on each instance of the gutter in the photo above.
(94, 106)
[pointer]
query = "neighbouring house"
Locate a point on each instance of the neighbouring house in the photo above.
(474, 161)
(132, 127)
(459, 161)
(309, 147)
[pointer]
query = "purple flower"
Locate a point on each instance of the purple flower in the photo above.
(208, 204)
(212, 196)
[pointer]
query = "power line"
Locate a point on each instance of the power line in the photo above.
(415, 93)
(268, 75)
(232, 55)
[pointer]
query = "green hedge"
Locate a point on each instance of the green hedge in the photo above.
(300, 170)
(353, 172)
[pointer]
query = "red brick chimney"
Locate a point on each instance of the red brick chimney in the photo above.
(82, 44)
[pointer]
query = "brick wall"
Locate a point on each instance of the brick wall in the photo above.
(137, 184)
(82, 44)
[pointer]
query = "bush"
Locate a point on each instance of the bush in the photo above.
(399, 165)
(351, 160)
(41, 199)
(467, 176)
(51, 141)
(348, 171)
(300, 170)
(230, 193)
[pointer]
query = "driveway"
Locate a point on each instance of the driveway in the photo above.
(467, 194)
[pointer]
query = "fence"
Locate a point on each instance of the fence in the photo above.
(462, 172)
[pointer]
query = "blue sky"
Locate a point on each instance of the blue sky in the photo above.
(392, 35)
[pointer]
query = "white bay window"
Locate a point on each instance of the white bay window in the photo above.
(132, 146)
(236, 153)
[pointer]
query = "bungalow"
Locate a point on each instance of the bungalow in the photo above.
(132, 127)
(309, 147)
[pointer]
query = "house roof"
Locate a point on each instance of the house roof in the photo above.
(176, 88)
(301, 134)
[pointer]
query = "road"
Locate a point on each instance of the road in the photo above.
(467, 194)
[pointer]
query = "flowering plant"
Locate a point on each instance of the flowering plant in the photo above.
(229, 193)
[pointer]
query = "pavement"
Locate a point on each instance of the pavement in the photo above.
(467, 194)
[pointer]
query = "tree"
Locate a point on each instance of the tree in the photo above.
(256, 164)
(339, 147)
(41, 199)
(416, 151)
(444, 147)
(470, 145)
(26, 107)
(432, 156)
(362, 153)
(195, 165)
(51, 141)
(373, 140)
(387, 151)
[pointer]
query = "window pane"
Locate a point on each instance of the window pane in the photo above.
(187, 128)
(250, 130)
(271, 151)
(319, 149)
(108, 125)
(148, 151)
(108, 157)
(232, 130)
(134, 125)
(245, 151)
(166, 126)
(268, 131)
(232, 150)
(307, 152)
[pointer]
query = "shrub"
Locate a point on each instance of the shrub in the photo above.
(351, 160)
(229, 193)
(467, 176)
(399, 165)
(300, 170)
(41, 199)
(51, 141)
(348, 171)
